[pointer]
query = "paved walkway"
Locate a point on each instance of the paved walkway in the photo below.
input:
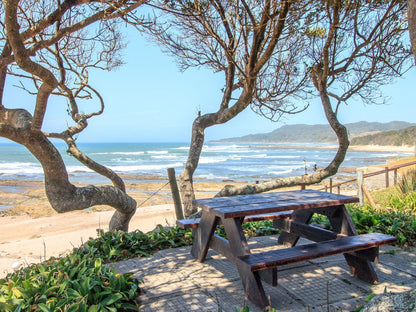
(174, 281)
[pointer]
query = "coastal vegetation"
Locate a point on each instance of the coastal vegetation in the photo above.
(86, 281)
(405, 136)
(323, 134)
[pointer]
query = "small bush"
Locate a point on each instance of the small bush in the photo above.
(118, 245)
(408, 183)
(390, 221)
(72, 283)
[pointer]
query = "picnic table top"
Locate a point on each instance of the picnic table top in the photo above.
(252, 204)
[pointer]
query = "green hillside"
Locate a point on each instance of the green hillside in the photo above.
(394, 137)
(302, 133)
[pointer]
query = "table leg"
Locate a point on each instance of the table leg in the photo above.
(202, 235)
(251, 280)
(363, 269)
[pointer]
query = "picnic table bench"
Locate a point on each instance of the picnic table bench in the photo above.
(291, 212)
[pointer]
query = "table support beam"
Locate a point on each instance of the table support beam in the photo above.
(202, 236)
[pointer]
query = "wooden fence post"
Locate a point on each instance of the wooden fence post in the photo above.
(175, 194)
(395, 177)
(387, 177)
(330, 185)
(360, 181)
(369, 197)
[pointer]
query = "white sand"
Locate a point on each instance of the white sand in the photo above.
(25, 240)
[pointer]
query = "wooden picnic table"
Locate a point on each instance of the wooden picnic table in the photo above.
(292, 212)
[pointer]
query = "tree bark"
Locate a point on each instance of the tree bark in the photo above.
(197, 141)
(64, 196)
(411, 15)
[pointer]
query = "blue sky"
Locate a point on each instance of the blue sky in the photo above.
(149, 100)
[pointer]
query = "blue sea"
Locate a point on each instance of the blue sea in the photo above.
(218, 162)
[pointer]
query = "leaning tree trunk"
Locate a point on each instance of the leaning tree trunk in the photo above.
(223, 115)
(186, 177)
(306, 179)
(63, 196)
(411, 15)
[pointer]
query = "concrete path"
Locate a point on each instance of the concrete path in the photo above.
(173, 281)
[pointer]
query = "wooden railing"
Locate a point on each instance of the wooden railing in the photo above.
(385, 171)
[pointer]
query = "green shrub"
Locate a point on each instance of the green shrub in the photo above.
(72, 283)
(118, 245)
(408, 183)
(391, 221)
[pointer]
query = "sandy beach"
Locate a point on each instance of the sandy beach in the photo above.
(30, 230)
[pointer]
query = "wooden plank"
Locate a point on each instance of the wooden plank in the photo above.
(275, 198)
(310, 232)
(268, 216)
(273, 207)
(290, 239)
(188, 223)
(222, 246)
(274, 258)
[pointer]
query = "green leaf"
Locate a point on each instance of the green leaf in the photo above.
(97, 263)
(44, 307)
(111, 299)
(93, 308)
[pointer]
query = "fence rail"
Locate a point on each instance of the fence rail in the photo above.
(385, 171)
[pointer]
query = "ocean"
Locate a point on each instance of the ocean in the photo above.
(136, 162)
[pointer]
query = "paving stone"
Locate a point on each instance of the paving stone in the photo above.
(312, 285)
(345, 305)
(262, 241)
(181, 302)
(385, 273)
(401, 260)
(162, 280)
(182, 254)
(231, 296)
(175, 281)
(213, 271)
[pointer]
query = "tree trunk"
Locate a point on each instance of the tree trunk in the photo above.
(411, 15)
(195, 149)
(306, 179)
(62, 195)
(197, 141)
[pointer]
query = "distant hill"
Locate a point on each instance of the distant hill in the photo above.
(405, 136)
(302, 133)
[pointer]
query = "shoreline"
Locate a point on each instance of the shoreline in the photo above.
(356, 148)
(31, 228)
